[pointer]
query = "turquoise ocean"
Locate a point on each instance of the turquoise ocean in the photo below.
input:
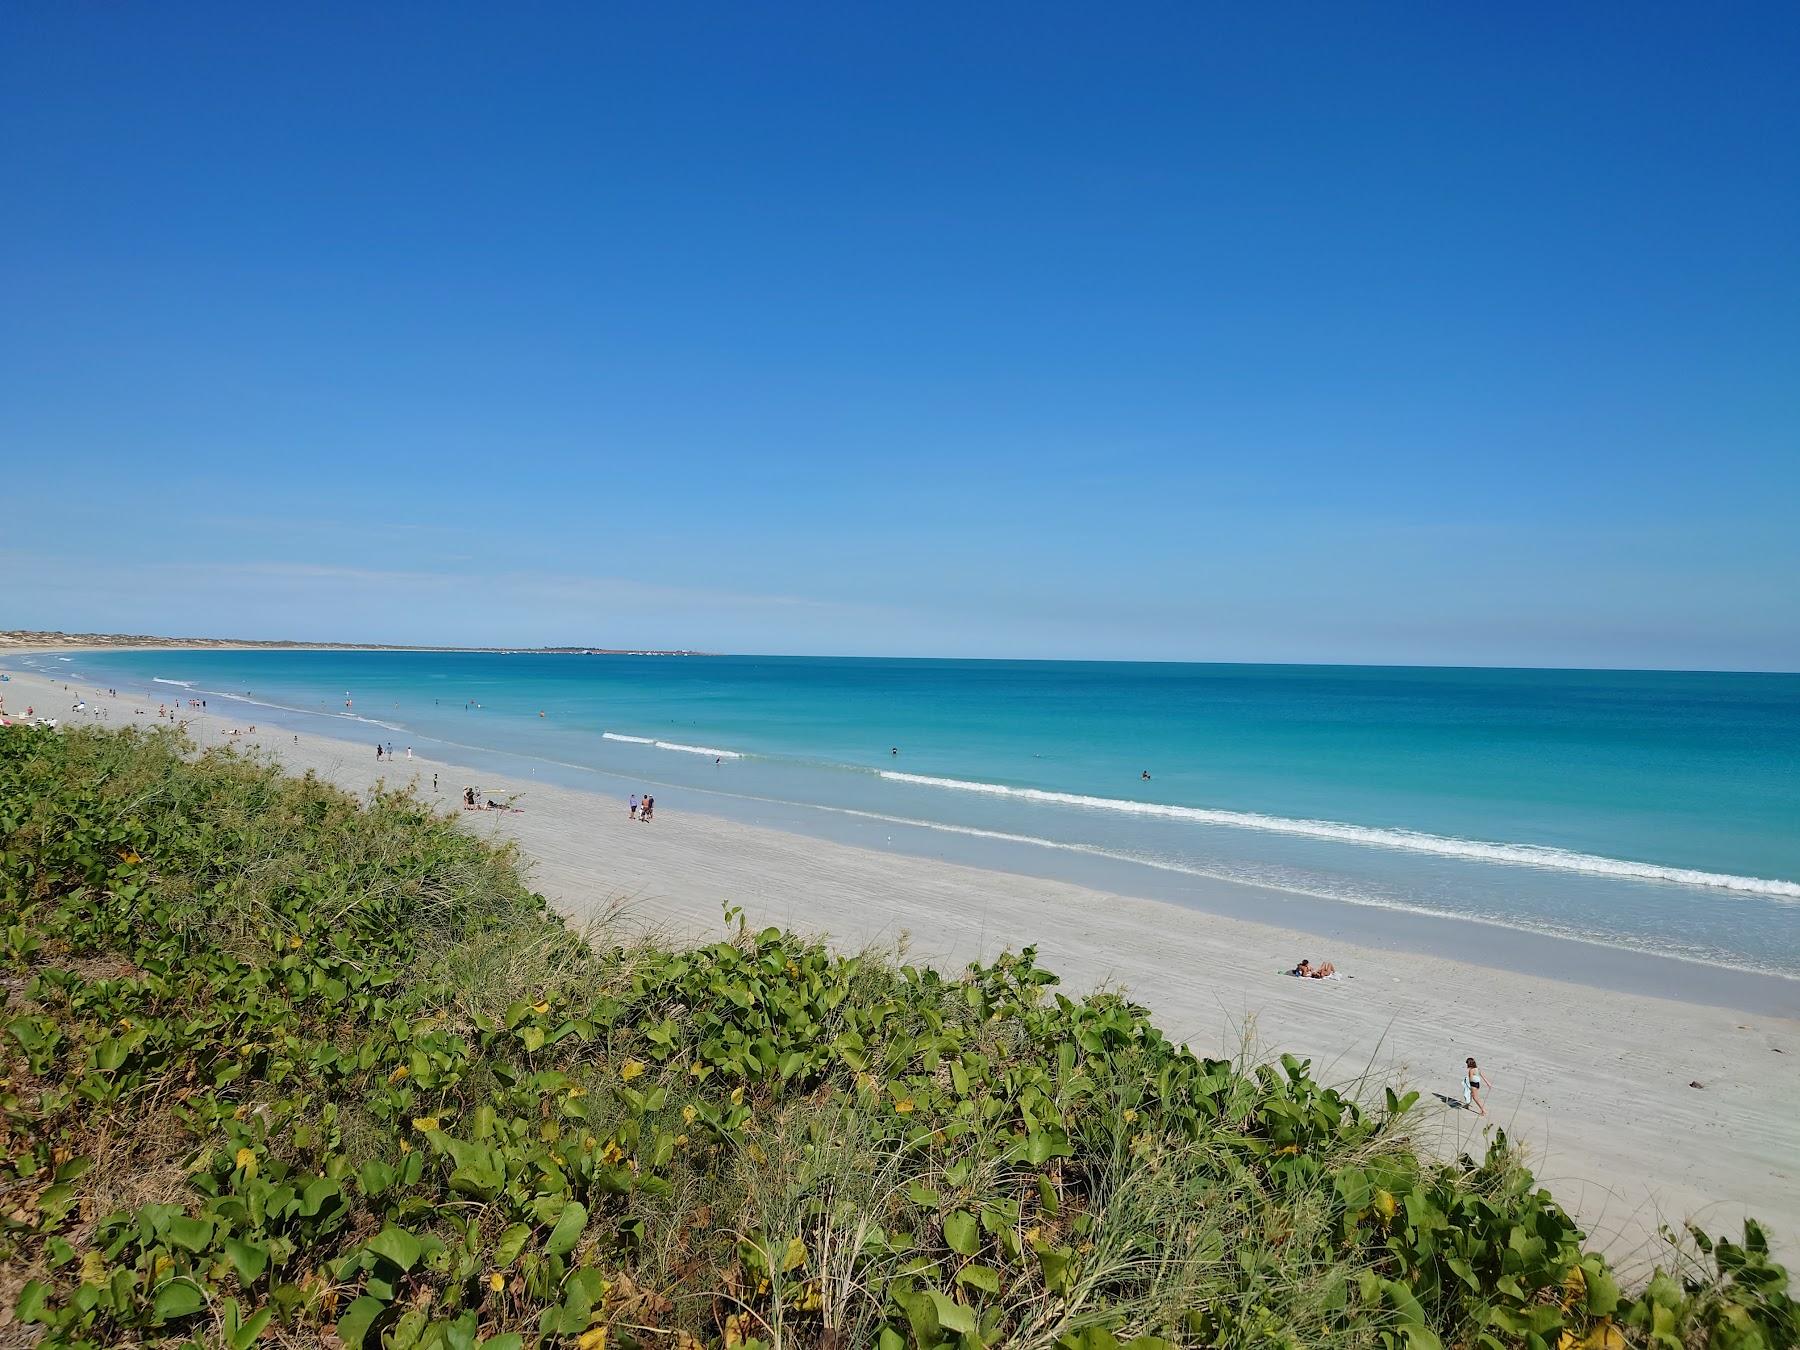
(1654, 812)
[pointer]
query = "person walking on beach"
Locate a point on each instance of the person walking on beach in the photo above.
(649, 806)
(1473, 1084)
(633, 811)
(377, 749)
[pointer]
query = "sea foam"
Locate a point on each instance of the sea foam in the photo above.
(1413, 841)
(671, 745)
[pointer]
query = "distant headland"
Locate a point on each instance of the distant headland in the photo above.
(25, 637)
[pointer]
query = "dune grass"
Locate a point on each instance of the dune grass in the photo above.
(278, 1066)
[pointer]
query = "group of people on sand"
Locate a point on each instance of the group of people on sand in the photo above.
(473, 801)
(389, 751)
(640, 808)
(1472, 1081)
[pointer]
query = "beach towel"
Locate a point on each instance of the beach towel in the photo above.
(1468, 1100)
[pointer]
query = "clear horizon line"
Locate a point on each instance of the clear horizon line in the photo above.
(269, 644)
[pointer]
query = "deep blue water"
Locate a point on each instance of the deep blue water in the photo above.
(1652, 810)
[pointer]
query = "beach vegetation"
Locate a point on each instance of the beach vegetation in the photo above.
(282, 1066)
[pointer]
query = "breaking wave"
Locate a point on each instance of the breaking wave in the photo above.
(1412, 841)
(671, 745)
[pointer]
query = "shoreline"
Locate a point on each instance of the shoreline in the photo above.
(1321, 919)
(1593, 1081)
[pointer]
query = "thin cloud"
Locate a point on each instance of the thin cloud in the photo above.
(521, 585)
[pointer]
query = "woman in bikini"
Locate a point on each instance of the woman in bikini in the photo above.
(1473, 1083)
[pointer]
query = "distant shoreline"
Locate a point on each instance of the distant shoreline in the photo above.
(32, 640)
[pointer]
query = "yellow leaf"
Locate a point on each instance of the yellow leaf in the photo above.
(1384, 1202)
(592, 1340)
(1574, 1286)
(246, 1159)
(1130, 1115)
(425, 1124)
(737, 1095)
(294, 942)
(630, 1069)
(540, 1007)
(612, 1152)
(904, 1106)
(795, 1255)
(496, 1282)
(398, 1074)
(93, 1268)
(687, 1115)
(405, 1147)
(1606, 1336)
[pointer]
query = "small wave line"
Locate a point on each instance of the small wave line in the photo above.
(672, 745)
(1412, 841)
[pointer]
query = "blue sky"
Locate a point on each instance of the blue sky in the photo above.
(1270, 333)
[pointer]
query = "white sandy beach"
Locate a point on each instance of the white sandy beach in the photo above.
(1595, 1084)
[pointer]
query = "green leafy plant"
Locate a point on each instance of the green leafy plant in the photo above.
(282, 1065)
